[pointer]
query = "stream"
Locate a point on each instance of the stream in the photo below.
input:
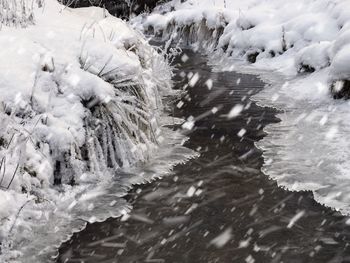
(219, 207)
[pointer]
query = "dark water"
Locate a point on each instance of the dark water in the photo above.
(218, 207)
(119, 8)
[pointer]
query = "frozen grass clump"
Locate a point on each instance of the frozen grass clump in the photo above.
(18, 12)
(80, 101)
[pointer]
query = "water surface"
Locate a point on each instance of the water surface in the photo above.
(219, 207)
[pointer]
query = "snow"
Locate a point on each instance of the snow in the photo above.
(222, 239)
(295, 219)
(314, 34)
(302, 49)
(81, 113)
(340, 63)
(315, 56)
(68, 80)
(235, 111)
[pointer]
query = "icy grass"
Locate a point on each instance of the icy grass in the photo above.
(81, 101)
(18, 13)
(303, 49)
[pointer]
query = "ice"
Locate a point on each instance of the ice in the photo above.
(311, 138)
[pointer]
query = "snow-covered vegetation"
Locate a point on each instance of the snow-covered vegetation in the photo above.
(302, 48)
(300, 36)
(18, 13)
(81, 99)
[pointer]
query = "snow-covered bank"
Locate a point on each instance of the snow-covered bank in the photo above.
(296, 37)
(303, 49)
(82, 114)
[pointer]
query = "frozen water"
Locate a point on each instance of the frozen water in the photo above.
(308, 149)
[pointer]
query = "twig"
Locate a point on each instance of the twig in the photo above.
(105, 65)
(3, 161)
(13, 176)
(17, 215)
(8, 145)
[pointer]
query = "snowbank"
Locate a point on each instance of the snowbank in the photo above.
(314, 35)
(303, 49)
(80, 99)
